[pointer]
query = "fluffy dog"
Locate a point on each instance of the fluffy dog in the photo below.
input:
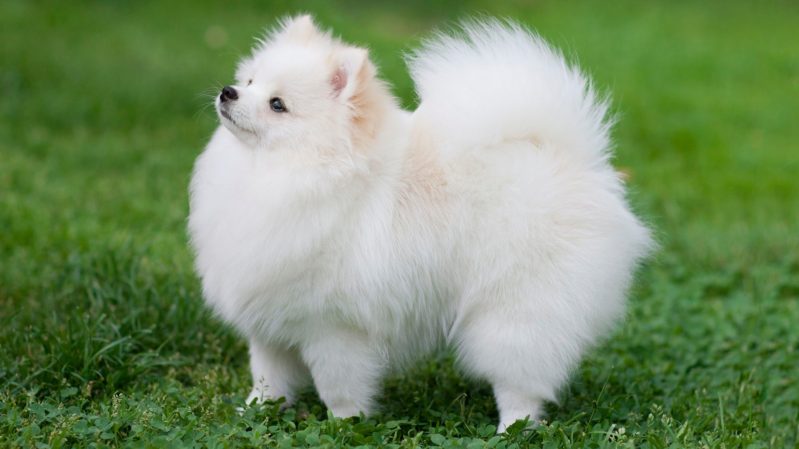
(345, 237)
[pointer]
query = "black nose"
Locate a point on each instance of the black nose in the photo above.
(228, 93)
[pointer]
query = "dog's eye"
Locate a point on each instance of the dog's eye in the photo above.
(277, 105)
(249, 82)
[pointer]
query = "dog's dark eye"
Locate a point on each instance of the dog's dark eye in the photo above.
(277, 105)
(249, 82)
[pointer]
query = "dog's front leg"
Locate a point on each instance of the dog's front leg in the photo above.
(346, 369)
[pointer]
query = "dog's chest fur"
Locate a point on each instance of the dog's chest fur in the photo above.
(282, 261)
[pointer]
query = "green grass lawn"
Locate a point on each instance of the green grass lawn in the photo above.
(104, 338)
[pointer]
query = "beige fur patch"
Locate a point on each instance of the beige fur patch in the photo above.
(423, 176)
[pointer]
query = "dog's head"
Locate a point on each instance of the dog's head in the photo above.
(304, 90)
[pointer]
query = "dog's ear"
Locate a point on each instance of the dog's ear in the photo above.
(300, 28)
(352, 70)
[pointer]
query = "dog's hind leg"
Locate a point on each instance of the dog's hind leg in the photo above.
(523, 346)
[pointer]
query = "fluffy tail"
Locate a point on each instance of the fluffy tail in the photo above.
(499, 82)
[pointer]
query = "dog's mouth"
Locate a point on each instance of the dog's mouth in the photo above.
(224, 113)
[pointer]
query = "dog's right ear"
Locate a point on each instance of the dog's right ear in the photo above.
(352, 71)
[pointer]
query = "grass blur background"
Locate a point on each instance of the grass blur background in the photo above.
(104, 339)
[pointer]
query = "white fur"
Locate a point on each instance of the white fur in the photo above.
(347, 237)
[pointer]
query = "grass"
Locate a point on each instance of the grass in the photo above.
(104, 339)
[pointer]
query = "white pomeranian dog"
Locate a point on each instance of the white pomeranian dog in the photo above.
(346, 237)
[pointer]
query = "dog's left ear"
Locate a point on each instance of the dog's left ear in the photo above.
(352, 71)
